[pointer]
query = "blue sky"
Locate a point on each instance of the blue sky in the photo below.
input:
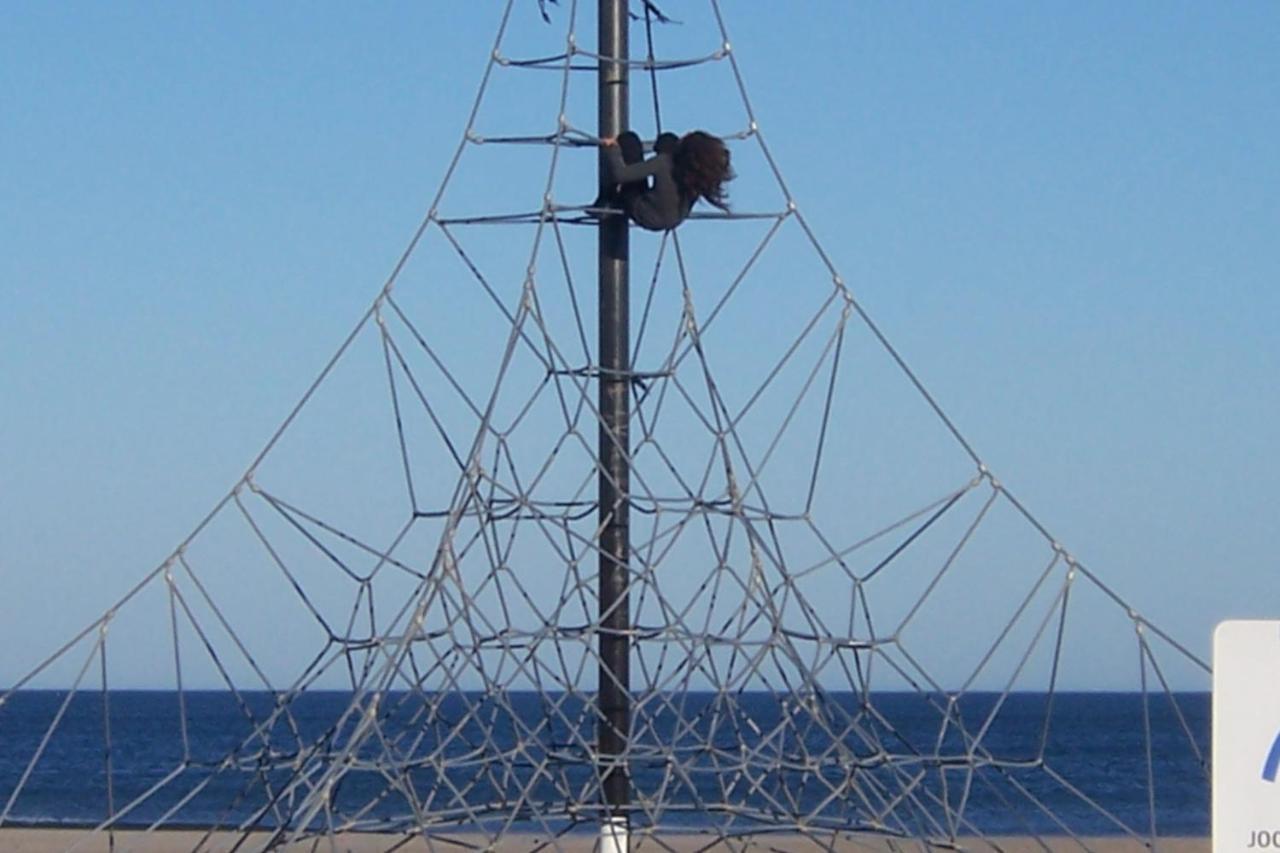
(1063, 217)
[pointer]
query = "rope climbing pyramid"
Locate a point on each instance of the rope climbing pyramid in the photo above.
(843, 629)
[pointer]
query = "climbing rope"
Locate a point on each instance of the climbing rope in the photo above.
(464, 635)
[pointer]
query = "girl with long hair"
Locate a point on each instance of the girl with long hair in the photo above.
(684, 169)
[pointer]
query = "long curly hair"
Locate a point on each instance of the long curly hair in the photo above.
(701, 168)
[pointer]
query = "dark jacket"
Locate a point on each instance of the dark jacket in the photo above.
(659, 208)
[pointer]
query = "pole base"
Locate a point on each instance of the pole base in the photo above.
(614, 835)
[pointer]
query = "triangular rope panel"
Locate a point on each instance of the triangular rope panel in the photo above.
(847, 632)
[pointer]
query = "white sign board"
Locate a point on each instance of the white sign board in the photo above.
(1246, 736)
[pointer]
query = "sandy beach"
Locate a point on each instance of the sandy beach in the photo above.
(169, 841)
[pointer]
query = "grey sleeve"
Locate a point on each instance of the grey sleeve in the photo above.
(621, 173)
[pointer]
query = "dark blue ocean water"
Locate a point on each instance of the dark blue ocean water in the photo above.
(1077, 762)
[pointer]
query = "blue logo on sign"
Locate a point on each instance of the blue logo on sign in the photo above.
(1273, 761)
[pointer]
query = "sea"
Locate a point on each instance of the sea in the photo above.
(1021, 763)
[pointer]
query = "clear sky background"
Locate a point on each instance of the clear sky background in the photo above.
(1065, 217)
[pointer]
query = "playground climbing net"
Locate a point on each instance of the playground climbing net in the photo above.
(845, 628)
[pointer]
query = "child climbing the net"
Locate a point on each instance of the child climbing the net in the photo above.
(683, 169)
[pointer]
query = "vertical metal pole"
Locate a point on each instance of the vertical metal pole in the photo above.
(613, 693)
